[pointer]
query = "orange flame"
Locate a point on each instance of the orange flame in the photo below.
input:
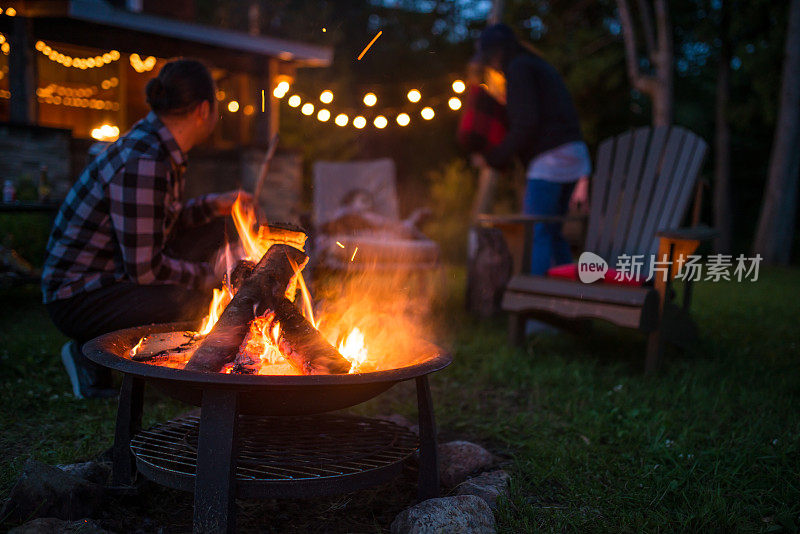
(219, 300)
(354, 350)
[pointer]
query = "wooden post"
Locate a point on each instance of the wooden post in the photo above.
(22, 73)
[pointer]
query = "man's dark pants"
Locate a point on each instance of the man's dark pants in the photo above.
(126, 304)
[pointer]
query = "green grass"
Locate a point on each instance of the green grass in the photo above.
(710, 444)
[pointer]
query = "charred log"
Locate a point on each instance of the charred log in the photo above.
(258, 293)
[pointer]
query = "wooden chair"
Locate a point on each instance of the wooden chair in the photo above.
(377, 250)
(640, 192)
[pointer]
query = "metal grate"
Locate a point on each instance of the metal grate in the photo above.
(283, 449)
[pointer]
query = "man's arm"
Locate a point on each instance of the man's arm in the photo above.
(523, 115)
(137, 196)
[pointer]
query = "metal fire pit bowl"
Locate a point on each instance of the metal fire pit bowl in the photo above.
(257, 394)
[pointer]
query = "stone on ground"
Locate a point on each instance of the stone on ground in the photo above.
(488, 486)
(462, 514)
(459, 459)
(46, 491)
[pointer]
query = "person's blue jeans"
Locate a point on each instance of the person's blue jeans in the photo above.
(549, 246)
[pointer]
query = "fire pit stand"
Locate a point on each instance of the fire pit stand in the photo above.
(262, 436)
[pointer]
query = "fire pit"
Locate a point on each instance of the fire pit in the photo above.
(242, 444)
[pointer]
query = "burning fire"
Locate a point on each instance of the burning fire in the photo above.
(347, 321)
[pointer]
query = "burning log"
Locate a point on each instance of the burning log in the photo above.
(262, 292)
(241, 273)
(267, 283)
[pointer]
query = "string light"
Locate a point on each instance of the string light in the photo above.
(403, 119)
(359, 122)
(323, 115)
(233, 106)
(294, 101)
(78, 102)
(249, 109)
(459, 86)
(341, 119)
(220, 95)
(11, 12)
(427, 113)
(326, 97)
(140, 65)
(380, 122)
(370, 99)
(281, 89)
(82, 63)
(307, 109)
(6, 48)
(414, 95)
(454, 103)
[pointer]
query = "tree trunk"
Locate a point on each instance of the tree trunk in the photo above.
(722, 139)
(657, 86)
(776, 221)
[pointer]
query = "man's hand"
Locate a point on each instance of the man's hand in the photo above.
(579, 201)
(222, 203)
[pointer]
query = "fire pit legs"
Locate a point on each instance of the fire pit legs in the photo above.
(129, 422)
(428, 483)
(215, 483)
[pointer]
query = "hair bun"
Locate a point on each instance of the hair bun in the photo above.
(156, 94)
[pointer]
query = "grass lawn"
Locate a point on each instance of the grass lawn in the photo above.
(711, 444)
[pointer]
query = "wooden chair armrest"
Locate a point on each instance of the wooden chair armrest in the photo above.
(695, 233)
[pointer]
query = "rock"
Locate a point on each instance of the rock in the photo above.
(459, 459)
(462, 514)
(51, 525)
(400, 420)
(488, 486)
(97, 472)
(46, 491)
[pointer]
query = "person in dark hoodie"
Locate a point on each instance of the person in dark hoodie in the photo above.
(544, 133)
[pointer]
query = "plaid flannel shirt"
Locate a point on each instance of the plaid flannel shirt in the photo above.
(116, 220)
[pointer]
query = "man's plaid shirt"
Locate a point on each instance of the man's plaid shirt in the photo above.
(118, 216)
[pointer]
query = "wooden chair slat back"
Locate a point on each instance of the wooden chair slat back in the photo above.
(643, 183)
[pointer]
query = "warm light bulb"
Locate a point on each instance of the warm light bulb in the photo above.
(403, 119)
(380, 122)
(326, 97)
(278, 92)
(459, 86)
(427, 113)
(307, 109)
(11, 12)
(359, 122)
(39, 44)
(323, 115)
(454, 103)
(233, 106)
(414, 95)
(282, 87)
(341, 119)
(249, 109)
(294, 101)
(370, 99)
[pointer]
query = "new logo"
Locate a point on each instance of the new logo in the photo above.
(591, 267)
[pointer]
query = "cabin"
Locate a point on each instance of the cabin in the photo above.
(73, 72)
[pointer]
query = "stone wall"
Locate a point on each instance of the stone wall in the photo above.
(223, 170)
(25, 149)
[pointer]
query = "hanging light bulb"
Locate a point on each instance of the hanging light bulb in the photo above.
(341, 119)
(307, 109)
(380, 122)
(294, 101)
(233, 106)
(427, 113)
(414, 95)
(370, 99)
(403, 119)
(454, 103)
(359, 122)
(459, 86)
(326, 97)
(323, 115)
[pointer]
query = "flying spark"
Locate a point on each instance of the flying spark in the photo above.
(354, 254)
(342, 246)
(262, 101)
(370, 44)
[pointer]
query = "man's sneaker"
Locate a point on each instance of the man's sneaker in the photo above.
(88, 379)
